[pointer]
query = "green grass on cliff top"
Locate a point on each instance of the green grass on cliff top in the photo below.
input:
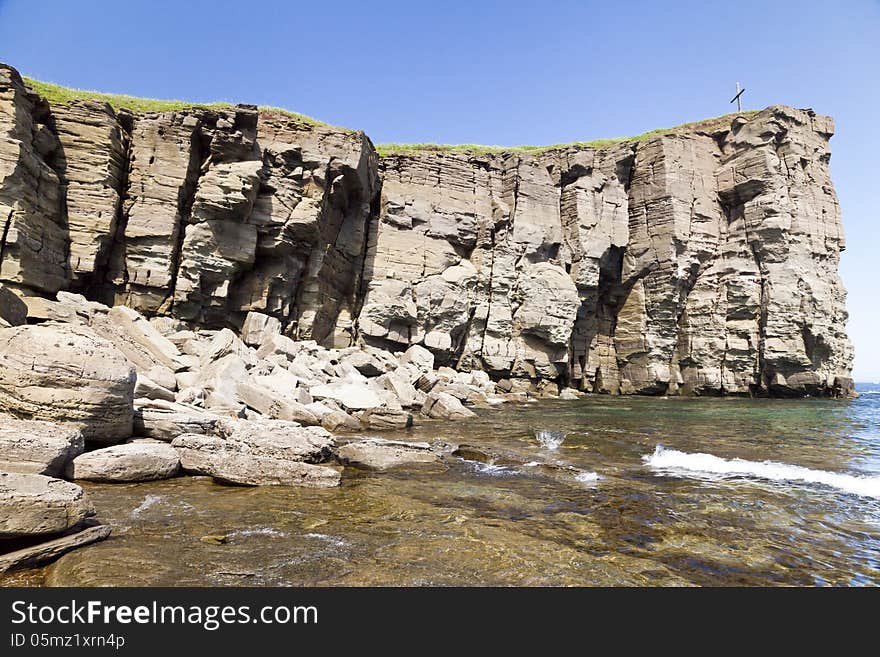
(706, 125)
(56, 94)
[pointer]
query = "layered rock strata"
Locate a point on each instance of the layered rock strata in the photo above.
(700, 261)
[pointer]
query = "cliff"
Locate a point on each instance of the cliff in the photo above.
(701, 260)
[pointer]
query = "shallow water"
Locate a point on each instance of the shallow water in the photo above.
(604, 506)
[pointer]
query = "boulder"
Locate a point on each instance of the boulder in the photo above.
(319, 410)
(399, 384)
(67, 373)
(218, 403)
(466, 394)
(133, 461)
(339, 420)
(258, 328)
(193, 396)
(146, 388)
(379, 454)
(427, 381)
(163, 377)
(265, 401)
(139, 331)
(385, 418)
(442, 405)
(32, 504)
(223, 375)
(570, 394)
(352, 396)
(13, 311)
(345, 371)
(186, 380)
(166, 420)
(225, 343)
(366, 363)
(418, 356)
(278, 345)
(32, 446)
(281, 381)
(40, 309)
(260, 454)
(278, 439)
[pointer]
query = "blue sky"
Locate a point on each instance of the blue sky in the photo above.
(496, 73)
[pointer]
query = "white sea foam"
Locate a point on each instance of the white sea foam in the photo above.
(333, 540)
(585, 477)
(261, 531)
(149, 501)
(550, 439)
(492, 469)
(676, 462)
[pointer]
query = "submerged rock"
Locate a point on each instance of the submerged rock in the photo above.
(35, 555)
(379, 454)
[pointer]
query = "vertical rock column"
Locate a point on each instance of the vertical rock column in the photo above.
(777, 191)
(420, 282)
(92, 162)
(312, 214)
(594, 212)
(34, 247)
(674, 232)
(163, 170)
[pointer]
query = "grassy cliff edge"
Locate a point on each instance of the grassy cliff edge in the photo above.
(57, 94)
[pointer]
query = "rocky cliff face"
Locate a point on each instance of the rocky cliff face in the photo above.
(703, 261)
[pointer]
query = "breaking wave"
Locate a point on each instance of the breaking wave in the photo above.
(491, 469)
(149, 501)
(550, 439)
(677, 462)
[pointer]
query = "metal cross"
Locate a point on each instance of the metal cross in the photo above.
(737, 98)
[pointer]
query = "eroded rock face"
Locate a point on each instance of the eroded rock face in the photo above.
(35, 240)
(66, 373)
(702, 261)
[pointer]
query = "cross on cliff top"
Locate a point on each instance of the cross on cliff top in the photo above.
(738, 98)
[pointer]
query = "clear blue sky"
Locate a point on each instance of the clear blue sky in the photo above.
(496, 73)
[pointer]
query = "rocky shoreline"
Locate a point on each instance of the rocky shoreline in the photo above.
(102, 394)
